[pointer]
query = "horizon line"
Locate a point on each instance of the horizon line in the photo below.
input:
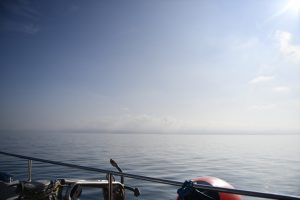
(155, 132)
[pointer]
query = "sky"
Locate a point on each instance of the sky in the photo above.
(150, 66)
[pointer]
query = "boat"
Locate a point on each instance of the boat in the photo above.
(199, 188)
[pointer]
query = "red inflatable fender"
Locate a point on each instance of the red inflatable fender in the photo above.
(216, 182)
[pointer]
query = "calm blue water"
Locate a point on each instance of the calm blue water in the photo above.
(264, 163)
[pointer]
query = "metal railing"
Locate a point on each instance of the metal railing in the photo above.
(110, 173)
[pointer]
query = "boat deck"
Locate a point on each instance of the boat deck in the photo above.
(6, 191)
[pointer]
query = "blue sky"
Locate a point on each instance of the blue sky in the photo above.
(163, 66)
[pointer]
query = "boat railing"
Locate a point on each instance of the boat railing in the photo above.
(110, 173)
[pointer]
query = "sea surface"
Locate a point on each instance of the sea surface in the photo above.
(266, 163)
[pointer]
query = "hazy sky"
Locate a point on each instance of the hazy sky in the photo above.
(165, 65)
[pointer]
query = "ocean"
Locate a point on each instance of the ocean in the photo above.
(265, 163)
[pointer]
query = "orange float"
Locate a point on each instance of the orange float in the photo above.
(196, 194)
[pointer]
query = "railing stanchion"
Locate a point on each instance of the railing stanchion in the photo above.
(29, 170)
(110, 186)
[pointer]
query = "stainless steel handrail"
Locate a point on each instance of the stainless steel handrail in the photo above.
(29, 170)
(162, 181)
